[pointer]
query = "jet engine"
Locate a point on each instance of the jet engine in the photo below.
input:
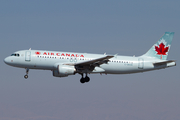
(64, 71)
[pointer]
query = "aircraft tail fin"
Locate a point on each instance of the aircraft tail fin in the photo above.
(161, 48)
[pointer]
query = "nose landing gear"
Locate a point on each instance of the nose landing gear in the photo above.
(86, 79)
(26, 76)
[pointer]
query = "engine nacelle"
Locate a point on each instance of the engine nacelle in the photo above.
(64, 71)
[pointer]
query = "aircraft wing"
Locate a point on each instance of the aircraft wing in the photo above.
(90, 65)
(94, 62)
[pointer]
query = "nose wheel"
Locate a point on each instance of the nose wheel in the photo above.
(27, 71)
(25, 76)
(84, 79)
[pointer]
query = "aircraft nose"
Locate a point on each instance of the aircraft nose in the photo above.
(7, 60)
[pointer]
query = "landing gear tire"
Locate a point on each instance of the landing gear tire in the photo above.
(87, 79)
(26, 76)
(82, 80)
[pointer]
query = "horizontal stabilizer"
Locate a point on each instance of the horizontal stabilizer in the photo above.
(164, 62)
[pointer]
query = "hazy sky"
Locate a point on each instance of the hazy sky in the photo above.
(127, 27)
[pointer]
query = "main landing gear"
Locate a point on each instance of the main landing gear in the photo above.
(84, 79)
(26, 76)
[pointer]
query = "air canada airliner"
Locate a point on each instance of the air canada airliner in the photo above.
(63, 64)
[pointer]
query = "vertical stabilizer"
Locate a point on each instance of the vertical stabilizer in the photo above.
(161, 49)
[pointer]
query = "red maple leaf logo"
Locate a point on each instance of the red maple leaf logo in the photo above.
(161, 49)
(37, 53)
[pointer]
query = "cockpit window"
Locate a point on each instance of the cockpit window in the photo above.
(15, 55)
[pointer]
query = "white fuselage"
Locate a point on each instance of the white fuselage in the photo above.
(48, 60)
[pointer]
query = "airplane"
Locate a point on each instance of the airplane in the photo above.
(63, 64)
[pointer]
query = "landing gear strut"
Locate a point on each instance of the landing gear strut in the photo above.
(26, 76)
(84, 79)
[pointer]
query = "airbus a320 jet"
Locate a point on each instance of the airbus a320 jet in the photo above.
(63, 64)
